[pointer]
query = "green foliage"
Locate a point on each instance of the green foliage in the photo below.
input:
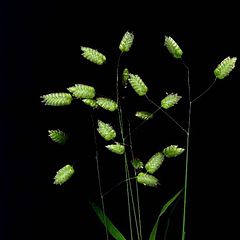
(82, 91)
(57, 136)
(57, 99)
(106, 130)
(137, 164)
(116, 234)
(87, 95)
(144, 115)
(170, 100)
(172, 151)
(126, 42)
(107, 104)
(225, 67)
(125, 76)
(93, 55)
(147, 179)
(154, 162)
(63, 174)
(173, 47)
(116, 148)
(162, 211)
(90, 102)
(137, 84)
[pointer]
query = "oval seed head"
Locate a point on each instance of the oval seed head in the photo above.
(154, 163)
(57, 136)
(116, 148)
(125, 77)
(172, 151)
(170, 100)
(147, 179)
(173, 47)
(93, 55)
(90, 102)
(137, 164)
(225, 67)
(63, 174)
(106, 130)
(137, 84)
(107, 104)
(82, 91)
(57, 99)
(144, 115)
(126, 42)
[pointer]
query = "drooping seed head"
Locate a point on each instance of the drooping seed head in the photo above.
(225, 67)
(154, 163)
(93, 55)
(57, 99)
(172, 151)
(173, 47)
(57, 136)
(63, 174)
(106, 130)
(147, 179)
(126, 42)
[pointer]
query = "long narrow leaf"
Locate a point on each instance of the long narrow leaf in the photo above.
(107, 223)
(163, 210)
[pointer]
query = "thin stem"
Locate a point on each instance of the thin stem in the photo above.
(99, 176)
(139, 224)
(205, 90)
(120, 119)
(117, 185)
(187, 153)
(139, 125)
(188, 143)
(169, 116)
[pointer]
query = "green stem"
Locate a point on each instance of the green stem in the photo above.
(120, 119)
(138, 222)
(187, 154)
(99, 176)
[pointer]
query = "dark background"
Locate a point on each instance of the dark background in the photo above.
(40, 46)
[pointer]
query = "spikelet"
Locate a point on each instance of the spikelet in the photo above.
(126, 42)
(57, 99)
(107, 104)
(144, 115)
(57, 136)
(225, 67)
(116, 148)
(147, 179)
(170, 100)
(106, 130)
(63, 174)
(93, 55)
(173, 47)
(82, 91)
(154, 163)
(137, 84)
(125, 76)
(90, 102)
(172, 151)
(137, 164)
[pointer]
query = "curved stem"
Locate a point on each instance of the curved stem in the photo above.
(205, 90)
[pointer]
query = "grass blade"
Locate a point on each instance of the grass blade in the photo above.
(107, 223)
(163, 210)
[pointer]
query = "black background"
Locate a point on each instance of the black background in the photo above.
(40, 45)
